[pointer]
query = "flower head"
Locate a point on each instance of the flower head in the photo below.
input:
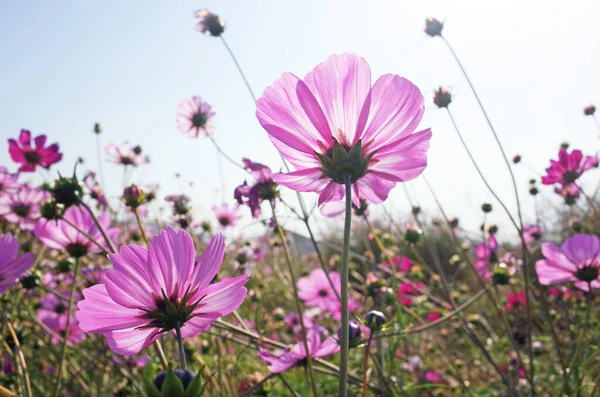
(315, 290)
(209, 23)
(59, 234)
(12, 265)
(226, 215)
(283, 360)
(333, 124)
(486, 253)
(442, 97)
(29, 156)
(194, 116)
(570, 193)
(125, 154)
(577, 259)
(433, 27)
(22, 207)
(589, 110)
(515, 300)
(568, 168)
(263, 189)
(532, 233)
(53, 313)
(153, 290)
(95, 190)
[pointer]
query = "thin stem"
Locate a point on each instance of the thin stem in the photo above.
(108, 241)
(232, 161)
(182, 362)
(288, 258)
(239, 68)
(20, 359)
(345, 336)
(99, 155)
(366, 365)
(63, 352)
(139, 223)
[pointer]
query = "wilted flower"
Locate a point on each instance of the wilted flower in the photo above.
(154, 290)
(433, 27)
(226, 216)
(296, 355)
(333, 123)
(577, 260)
(209, 23)
(125, 154)
(194, 116)
(59, 234)
(570, 193)
(22, 207)
(30, 157)
(12, 265)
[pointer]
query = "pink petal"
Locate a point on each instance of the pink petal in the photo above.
(129, 342)
(306, 180)
(223, 297)
(208, 264)
(549, 273)
(581, 248)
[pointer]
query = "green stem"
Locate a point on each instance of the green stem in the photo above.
(140, 226)
(345, 336)
(366, 365)
(182, 362)
(108, 241)
(63, 352)
(288, 258)
(239, 68)
(232, 161)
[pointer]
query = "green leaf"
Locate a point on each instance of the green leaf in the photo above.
(195, 387)
(172, 386)
(148, 381)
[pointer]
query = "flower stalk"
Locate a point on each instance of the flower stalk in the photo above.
(345, 336)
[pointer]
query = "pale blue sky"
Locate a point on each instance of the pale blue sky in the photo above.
(68, 64)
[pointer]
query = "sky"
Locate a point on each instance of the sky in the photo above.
(68, 64)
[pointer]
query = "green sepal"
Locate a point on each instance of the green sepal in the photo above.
(339, 153)
(196, 387)
(148, 380)
(172, 386)
(355, 154)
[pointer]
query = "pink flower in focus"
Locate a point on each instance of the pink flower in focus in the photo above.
(30, 157)
(333, 122)
(125, 154)
(316, 291)
(282, 361)
(53, 313)
(577, 259)
(226, 216)
(486, 252)
(58, 234)
(194, 116)
(12, 265)
(151, 290)
(22, 207)
(263, 189)
(515, 300)
(568, 168)
(8, 182)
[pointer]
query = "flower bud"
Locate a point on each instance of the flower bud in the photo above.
(564, 145)
(49, 210)
(412, 236)
(375, 320)
(533, 191)
(416, 210)
(354, 333)
(487, 208)
(137, 150)
(97, 128)
(492, 229)
(516, 159)
(210, 23)
(453, 222)
(67, 191)
(178, 379)
(442, 97)
(133, 196)
(65, 265)
(501, 276)
(589, 110)
(433, 27)
(32, 280)
(278, 314)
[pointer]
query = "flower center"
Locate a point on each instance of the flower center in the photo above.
(21, 210)
(76, 250)
(170, 311)
(60, 309)
(570, 176)
(127, 160)
(343, 161)
(242, 258)
(323, 293)
(224, 221)
(199, 120)
(588, 273)
(32, 157)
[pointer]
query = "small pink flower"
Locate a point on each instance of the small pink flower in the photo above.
(570, 192)
(151, 290)
(568, 168)
(30, 157)
(486, 252)
(532, 233)
(316, 291)
(515, 300)
(408, 289)
(226, 216)
(283, 360)
(194, 116)
(12, 265)
(263, 189)
(433, 377)
(53, 313)
(125, 154)
(334, 123)
(22, 207)
(433, 316)
(577, 259)
(95, 190)
(58, 234)
(8, 182)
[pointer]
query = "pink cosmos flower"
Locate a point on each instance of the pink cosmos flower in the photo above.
(315, 290)
(283, 360)
(433, 377)
(226, 216)
(22, 207)
(433, 316)
(333, 122)
(209, 23)
(570, 192)
(30, 157)
(152, 290)
(194, 116)
(532, 233)
(53, 313)
(408, 289)
(95, 190)
(58, 234)
(568, 168)
(125, 154)
(515, 300)
(577, 259)
(8, 181)
(401, 263)
(263, 189)
(12, 265)
(486, 252)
